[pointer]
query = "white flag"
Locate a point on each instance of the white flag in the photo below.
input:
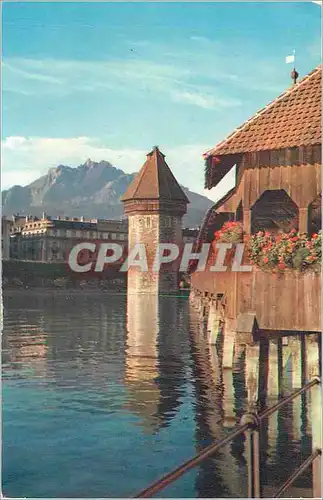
(290, 59)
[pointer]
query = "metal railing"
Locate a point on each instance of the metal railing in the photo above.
(250, 426)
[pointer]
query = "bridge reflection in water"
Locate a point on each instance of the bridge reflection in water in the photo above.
(252, 374)
(262, 371)
(152, 355)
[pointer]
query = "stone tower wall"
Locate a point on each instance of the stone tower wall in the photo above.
(150, 230)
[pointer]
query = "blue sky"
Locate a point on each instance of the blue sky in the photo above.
(111, 80)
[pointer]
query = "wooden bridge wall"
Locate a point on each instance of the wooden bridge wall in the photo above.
(283, 301)
(301, 183)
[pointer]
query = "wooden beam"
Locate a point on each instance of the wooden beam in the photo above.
(303, 220)
(247, 221)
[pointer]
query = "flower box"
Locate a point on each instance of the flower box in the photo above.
(285, 251)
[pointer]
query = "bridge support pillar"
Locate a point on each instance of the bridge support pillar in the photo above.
(275, 366)
(229, 417)
(228, 344)
(214, 325)
(252, 373)
(311, 356)
(296, 356)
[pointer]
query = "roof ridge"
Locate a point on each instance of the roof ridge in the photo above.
(264, 109)
(156, 151)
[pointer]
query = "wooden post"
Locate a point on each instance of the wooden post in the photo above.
(303, 220)
(296, 355)
(214, 326)
(273, 384)
(247, 221)
(311, 356)
(229, 339)
(252, 373)
(280, 366)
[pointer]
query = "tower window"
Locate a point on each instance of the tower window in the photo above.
(148, 222)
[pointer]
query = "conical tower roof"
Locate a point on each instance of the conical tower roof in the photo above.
(155, 181)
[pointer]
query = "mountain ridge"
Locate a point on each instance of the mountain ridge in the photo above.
(92, 189)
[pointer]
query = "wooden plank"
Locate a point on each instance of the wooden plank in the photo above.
(264, 180)
(274, 179)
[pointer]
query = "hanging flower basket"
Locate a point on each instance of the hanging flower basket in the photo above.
(230, 232)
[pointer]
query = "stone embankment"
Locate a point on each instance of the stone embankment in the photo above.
(57, 276)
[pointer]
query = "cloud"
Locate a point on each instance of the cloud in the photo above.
(205, 101)
(24, 159)
(62, 77)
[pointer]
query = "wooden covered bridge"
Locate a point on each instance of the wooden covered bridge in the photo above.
(277, 156)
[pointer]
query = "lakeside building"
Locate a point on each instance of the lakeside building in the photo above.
(277, 157)
(50, 239)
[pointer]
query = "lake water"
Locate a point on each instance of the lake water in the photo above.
(103, 394)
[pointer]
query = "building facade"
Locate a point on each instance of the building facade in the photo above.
(48, 239)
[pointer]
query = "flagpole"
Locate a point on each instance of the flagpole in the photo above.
(294, 73)
(292, 59)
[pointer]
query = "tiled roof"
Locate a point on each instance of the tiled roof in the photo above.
(155, 181)
(291, 120)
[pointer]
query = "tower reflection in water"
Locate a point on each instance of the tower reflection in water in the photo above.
(154, 365)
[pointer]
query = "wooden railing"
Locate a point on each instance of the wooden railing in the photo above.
(250, 426)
